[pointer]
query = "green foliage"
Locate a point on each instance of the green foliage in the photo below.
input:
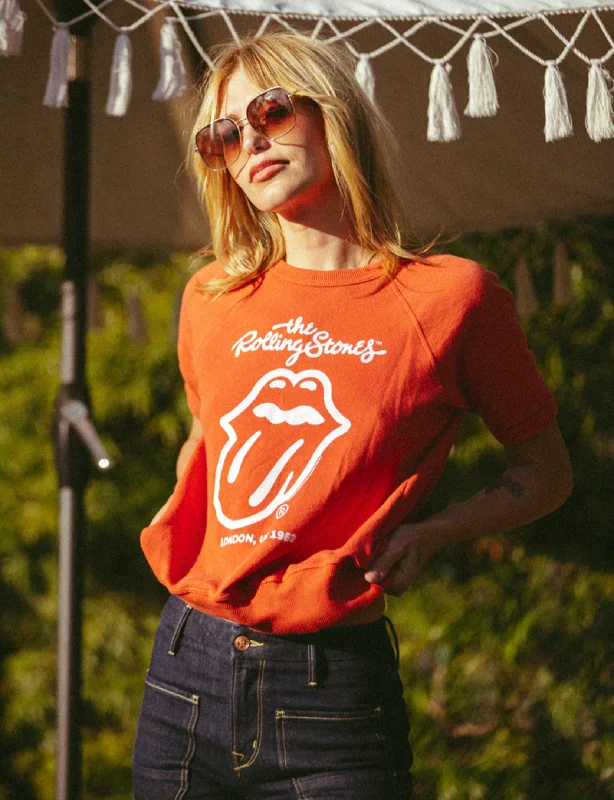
(509, 681)
(505, 643)
(141, 413)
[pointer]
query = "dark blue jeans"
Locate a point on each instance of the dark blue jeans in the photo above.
(230, 713)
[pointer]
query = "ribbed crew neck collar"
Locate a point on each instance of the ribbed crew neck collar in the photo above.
(319, 277)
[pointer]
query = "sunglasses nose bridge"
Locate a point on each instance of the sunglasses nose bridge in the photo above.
(250, 136)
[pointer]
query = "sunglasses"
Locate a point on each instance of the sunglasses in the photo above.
(271, 114)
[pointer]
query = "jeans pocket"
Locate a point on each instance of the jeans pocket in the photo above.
(309, 741)
(165, 741)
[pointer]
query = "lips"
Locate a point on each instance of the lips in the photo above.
(259, 171)
(276, 437)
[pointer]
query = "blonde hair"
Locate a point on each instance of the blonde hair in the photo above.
(247, 241)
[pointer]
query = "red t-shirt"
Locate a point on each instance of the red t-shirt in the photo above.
(328, 412)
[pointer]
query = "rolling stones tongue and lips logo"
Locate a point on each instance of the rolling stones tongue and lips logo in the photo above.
(276, 436)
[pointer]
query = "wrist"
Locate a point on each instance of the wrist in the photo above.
(434, 533)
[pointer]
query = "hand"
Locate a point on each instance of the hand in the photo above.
(407, 552)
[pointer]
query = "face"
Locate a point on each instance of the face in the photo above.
(301, 174)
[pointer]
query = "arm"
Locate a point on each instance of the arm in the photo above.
(190, 443)
(537, 481)
(186, 451)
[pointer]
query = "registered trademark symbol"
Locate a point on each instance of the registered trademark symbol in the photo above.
(283, 509)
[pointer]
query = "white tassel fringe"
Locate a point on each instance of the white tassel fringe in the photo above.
(365, 77)
(173, 80)
(599, 118)
(443, 120)
(12, 20)
(120, 87)
(526, 300)
(558, 119)
(483, 100)
(563, 291)
(56, 93)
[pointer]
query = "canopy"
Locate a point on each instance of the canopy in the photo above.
(473, 135)
(450, 9)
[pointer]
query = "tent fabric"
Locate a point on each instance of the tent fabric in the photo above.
(397, 8)
(478, 35)
(498, 171)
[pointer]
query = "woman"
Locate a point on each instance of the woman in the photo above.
(327, 369)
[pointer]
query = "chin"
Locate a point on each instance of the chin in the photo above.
(276, 201)
(288, 193)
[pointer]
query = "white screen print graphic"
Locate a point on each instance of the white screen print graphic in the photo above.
(276, 437)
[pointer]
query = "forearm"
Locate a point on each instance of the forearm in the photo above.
(537, 481)
(184, 456)
(522, 494)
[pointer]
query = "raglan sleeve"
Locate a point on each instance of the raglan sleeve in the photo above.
(185, 347)
(497, 374)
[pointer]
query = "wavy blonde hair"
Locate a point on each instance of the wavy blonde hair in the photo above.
(247, 241)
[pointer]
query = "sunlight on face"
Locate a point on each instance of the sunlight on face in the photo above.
(301, 172)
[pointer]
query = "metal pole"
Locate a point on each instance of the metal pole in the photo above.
(73, 460)
(75, 439)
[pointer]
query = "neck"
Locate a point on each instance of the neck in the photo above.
(320, 236)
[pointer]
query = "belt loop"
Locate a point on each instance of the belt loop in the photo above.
(179, 629)
(312, 666)
(395, 639)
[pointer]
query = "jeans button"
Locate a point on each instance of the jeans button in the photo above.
(241, 643)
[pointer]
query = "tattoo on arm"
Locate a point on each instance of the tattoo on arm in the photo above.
(505, 482)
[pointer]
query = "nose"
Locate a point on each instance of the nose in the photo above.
(253, 142)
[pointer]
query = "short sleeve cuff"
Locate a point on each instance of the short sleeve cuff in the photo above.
(531, 426)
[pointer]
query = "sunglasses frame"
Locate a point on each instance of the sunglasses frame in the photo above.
(237, 122)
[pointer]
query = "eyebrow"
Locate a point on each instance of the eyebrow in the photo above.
(236, 117)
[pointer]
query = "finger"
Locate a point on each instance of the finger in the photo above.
(395, 550)
(402, 576)
(378, 572)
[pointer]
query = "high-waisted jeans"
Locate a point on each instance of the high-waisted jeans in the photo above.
(230, 713)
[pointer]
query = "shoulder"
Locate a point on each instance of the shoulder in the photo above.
(193, 296)
(213, 269)
(446, 293)
(458, 282)
(452, 300)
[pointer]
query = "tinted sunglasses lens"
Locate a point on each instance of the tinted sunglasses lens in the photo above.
(271, 113)
(219, 144)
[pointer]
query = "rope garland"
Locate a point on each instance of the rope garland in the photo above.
(444, 121)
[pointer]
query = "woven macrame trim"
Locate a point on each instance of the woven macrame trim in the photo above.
(478, 34)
